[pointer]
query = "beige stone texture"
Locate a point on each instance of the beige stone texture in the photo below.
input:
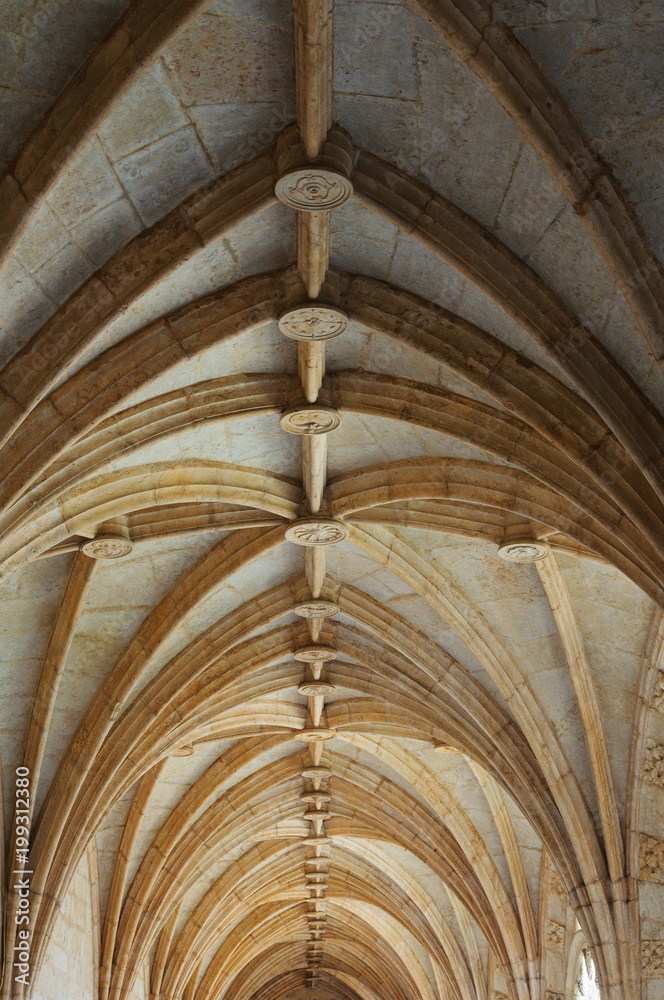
(309, 310)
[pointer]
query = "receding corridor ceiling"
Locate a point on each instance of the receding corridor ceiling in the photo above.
(332, 498)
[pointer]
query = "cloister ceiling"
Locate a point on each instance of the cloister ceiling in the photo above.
(331, 548)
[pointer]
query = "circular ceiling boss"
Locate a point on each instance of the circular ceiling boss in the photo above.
(316, 609)
(524, 550)
(310, 654)
(107, 547)
(315, 689)
(313, 735)
(313, 321)
(317, 530)
(313, 189)
(316, 771)
(310, 419)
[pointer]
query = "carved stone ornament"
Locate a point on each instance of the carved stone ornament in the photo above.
(316, 609)
(584, 982)
(556, 885)
(445, 748)
(316, 771)
(315, 689)
(658, 693)
(310, 419)
(652, 959)
(653, 767)
(313, 321)
(311, 735)
(315, 798)
(313, 189)
(651, 859)
(499, 996)
(311, 654)
(317, 530)
(555, 935)
(185, 751)
(316, 841)
(524, 550)
(552, 995)
(107, 547)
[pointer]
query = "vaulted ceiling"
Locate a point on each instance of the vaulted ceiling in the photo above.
(332, 497)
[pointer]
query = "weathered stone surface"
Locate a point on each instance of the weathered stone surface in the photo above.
(160, 175)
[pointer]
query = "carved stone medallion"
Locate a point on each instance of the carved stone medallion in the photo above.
(311, 654)
(317, 814)
(313, 189)
(107, 547)
(316, 771)
(185, 751)
(316, 841)
(311, 735)
(315, 798)
(316, 609)
(315, 689)
(313, 321)
(317, 530)
(524, 550)
(310, 419)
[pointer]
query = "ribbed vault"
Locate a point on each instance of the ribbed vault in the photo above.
(331, 500)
